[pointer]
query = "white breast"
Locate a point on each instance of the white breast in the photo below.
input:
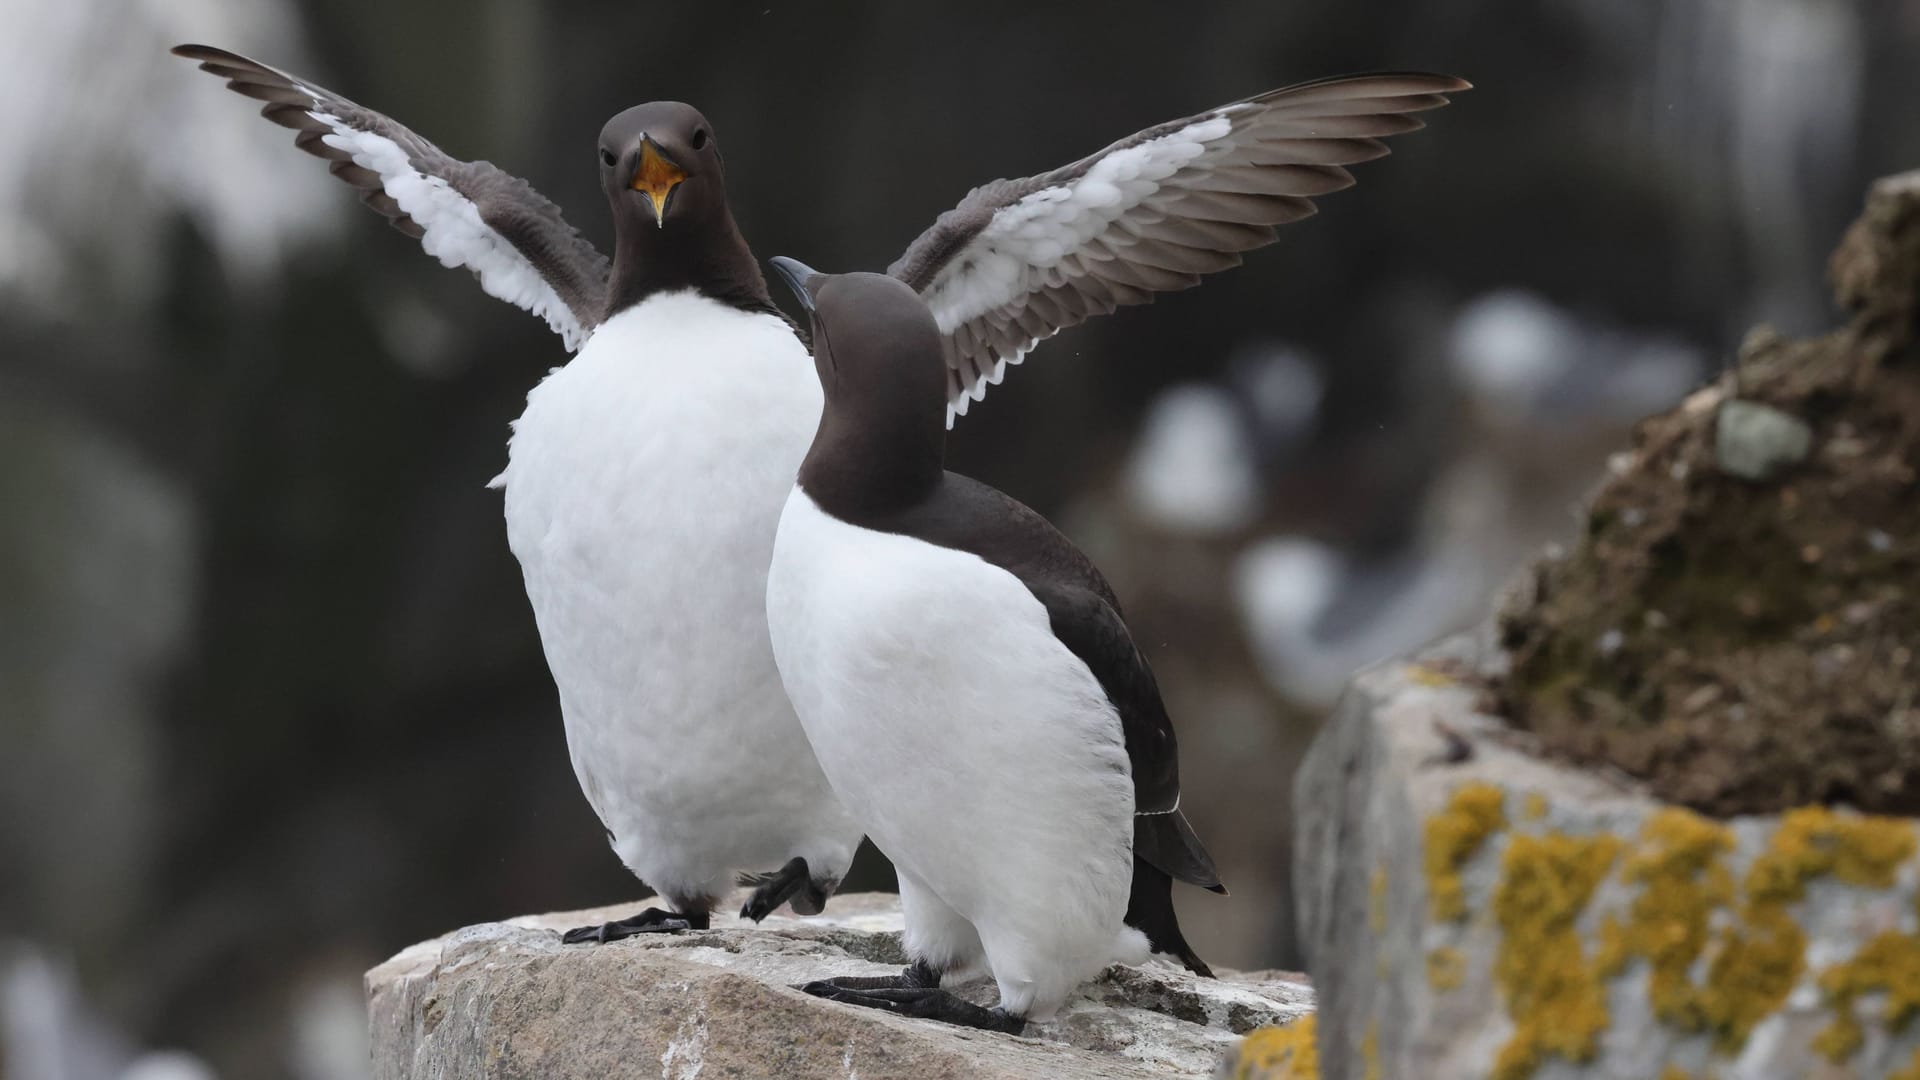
(643, 486)
(978, 752)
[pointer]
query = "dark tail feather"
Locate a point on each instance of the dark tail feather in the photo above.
(1169, 843)
(1150, 911)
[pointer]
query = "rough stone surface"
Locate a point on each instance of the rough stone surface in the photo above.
(1754, 441)
(1473, 910)
(507, 1000)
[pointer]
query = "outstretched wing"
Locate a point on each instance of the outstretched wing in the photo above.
(465, 213)
(1019, 260)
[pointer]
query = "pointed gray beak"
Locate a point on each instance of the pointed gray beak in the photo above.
(798, 276)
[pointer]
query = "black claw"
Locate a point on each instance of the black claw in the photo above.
(650, 921)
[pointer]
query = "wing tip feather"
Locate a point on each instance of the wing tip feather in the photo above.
(1359, 112)
(291, 115)
(1414, 82)
(195, 51)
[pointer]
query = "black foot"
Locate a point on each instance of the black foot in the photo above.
(651, 921)
(790, 882)
(924, 1002)
(918, 976)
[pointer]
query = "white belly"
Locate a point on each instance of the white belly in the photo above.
(643, 486)
(977, 751)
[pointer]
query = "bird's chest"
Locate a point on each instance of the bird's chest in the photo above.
(654, 464)
(880, 635)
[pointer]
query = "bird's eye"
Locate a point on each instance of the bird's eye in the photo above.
(606, 157)
(700, 139)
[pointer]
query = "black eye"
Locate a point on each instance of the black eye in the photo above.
(606, 157)
(700, 139)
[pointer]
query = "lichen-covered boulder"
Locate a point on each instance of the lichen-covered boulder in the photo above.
(508, 1001)
(1473, 910)
(1601, 839)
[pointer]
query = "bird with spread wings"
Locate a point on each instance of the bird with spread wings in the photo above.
(1016, 262)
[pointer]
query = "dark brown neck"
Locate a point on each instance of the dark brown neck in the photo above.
(871, 463)
(710, 257)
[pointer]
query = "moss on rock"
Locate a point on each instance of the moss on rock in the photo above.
(1745, 647)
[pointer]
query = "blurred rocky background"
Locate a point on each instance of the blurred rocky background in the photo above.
(271, 702)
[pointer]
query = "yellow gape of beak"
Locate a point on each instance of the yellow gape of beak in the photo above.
(656, 178)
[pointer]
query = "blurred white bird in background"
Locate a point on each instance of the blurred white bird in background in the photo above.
(1546, 394)
(1192, 469)
(107, 144)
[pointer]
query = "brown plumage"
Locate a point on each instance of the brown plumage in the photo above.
(1274, 155)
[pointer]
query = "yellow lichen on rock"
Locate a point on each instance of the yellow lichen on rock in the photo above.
(1755, 964)
(1888, 964)
(1446, 968)
(1553, 992)
(1674, 1072)
(1429, 676)
(1475, 812)
(1909, 1071)
(1370, 1052)
(1678, 864)
(1278, 1052)
(1759, 957)
(1534, 807)
(1814, 842)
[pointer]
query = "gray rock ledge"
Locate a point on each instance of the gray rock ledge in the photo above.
(507, 1000)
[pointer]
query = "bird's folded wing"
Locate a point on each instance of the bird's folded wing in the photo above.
(1089, 625)
(1019, 260)
(465, 213)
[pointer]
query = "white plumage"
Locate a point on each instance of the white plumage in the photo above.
(981, 754)
(1026, 242)
(452, 230)
(643, 487)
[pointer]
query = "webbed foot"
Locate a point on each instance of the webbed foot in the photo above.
(651, 921)
(922, 1002)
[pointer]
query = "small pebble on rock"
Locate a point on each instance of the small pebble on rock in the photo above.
(1755, 441)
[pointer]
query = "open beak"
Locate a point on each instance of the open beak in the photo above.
(656, 178)
(798, 276)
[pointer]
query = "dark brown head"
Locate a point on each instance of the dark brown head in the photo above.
(877, 350)
(660, 168)
(660, 164)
